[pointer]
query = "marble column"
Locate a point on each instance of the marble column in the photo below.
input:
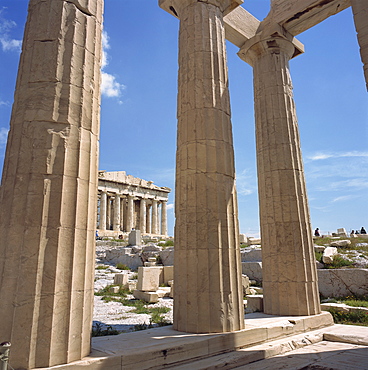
(154, 217)
(289, 270)
(103, 207)
(149, 219)
(108, 212)
(48, 193)
(130, 213)
(143, 215)
(116, 225)
(122, 213)
(164, 218)
(360, 11)
(208, 288)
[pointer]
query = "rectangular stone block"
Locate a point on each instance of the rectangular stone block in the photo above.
(149, 297)
(149, 278)
(121, 279)
(168, 274)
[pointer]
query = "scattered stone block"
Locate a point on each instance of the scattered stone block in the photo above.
(341, 243)
(328, 254)
(341, 232)
(251, 254)
(135, 237)
(245, 283)
(163, 292)
(121, 279)
(168, 275)
(254, 303)
(114, 289)
(343, 282)
(243, 239)
(319, 248)
(253, 270)
(167, 256)
(149, 278)
(149, 297)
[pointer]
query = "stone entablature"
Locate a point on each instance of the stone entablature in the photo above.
(126, 202)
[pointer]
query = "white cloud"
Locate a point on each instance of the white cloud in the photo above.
(320, 155)
(110, 87)
(246, 184)
(170, 206)
(343, 198)
(6, 103)
(105, 46)
(3, 135)
(7, 42)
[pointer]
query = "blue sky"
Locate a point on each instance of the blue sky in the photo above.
(138, 111)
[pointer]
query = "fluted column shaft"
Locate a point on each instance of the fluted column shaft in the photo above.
(49, 187)
(360, 11)
(208, 290)
(116, 226)
(149, 219)
(154, 217)
(130, 213)
(122, 212)
(289, 270)
(143, 215)
(164, 218)
(103, 205)
(108, 212)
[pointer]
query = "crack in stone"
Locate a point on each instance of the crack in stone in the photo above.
(298, 15)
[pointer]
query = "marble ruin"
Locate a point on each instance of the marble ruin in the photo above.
(126, 202)
(49, 184)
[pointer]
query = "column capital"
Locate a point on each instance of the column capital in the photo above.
(272, 40)
(175, 7)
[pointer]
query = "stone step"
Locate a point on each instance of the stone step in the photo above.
(252, 354)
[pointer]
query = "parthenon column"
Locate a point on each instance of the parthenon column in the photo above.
(122, 212)
(143, 215)
(130, 213)
(116, 226)
(149, 219)
(208, 290)
(289, 270)
(49, 187)
(154, 217)
(164, 218)
(108, 212)
(103, 205)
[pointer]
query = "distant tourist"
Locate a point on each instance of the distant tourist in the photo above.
(352, 232)
(316, 232)
(362, 230)
(357, 232)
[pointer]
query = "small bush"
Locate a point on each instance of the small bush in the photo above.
(97, 330)
(319, 256)
(108, 296)
(121, 266)
(167, 243)
(339, 262)
(358, 317)
(102, 267)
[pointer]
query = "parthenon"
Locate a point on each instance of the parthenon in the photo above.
(126, 202)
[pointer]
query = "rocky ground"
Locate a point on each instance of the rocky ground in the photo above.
(115, 314)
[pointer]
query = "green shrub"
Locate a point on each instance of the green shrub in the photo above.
(339, 262)
(356, 317)
(102, 267)
(97, 330)
(121, 266)
(108, 296)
